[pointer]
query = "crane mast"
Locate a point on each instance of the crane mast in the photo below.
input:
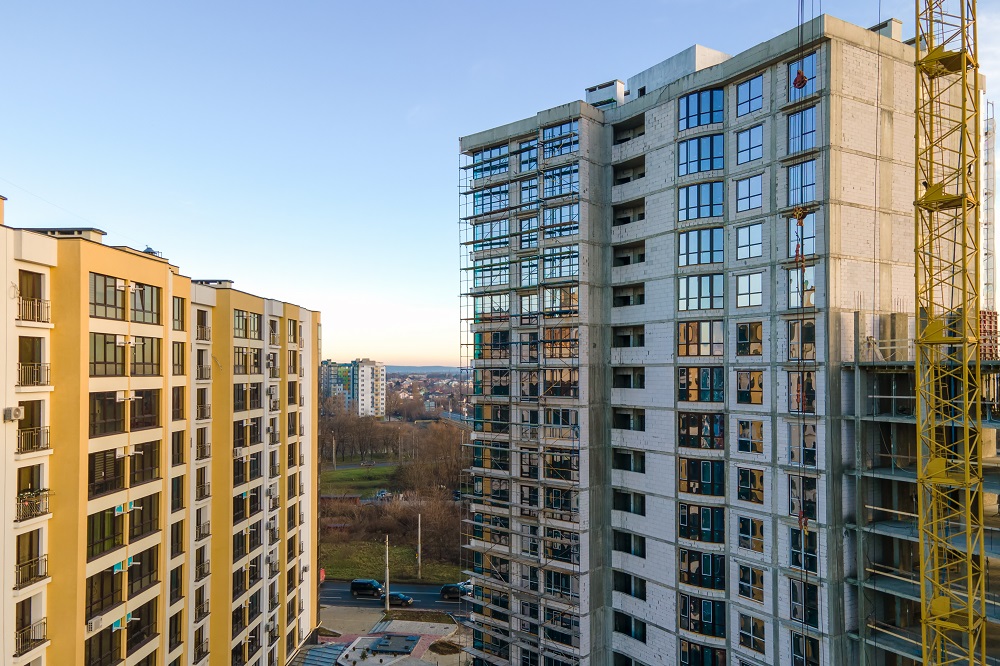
(947, 243)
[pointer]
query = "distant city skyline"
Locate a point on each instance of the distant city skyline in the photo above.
(222, 134)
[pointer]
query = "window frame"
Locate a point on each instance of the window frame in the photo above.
(750, 193)
(750, 144)
(750, 97)
(750, 289)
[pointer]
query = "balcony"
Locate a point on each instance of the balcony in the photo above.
(203, 333)
(274, 339)
(30, 572)
(200, 652)
(202, 530)
(203, 372)
(30, 440)
(203, 491)
(34, 309)
(105, 486)
(203, 412)
(203, 452)
(32, 504)
(272, 601)
(201, 571)
(201, 611)
(27, 639)
(33, 374)
(275, 471)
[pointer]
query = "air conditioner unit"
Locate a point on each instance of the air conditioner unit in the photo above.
(13, 413)
(272, 390)
(120, 453)
(302, 430)
(268, 430)
(269, 559)
(120, 396)
(270, 363)
(96, 623)
(302, 489)
(246, 422)
(270, 491)
(120, 284)
(121, 340)
(237, 452)
(305, 567)
(272, 523)
(269, 626)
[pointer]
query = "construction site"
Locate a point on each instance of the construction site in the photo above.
(731, 334)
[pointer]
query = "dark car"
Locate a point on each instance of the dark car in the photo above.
(453, 591)
(367, 587)
(399, 599)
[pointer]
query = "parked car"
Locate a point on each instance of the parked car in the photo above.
(367, 587)
(367, 463)
(453, 591)
(382, 496)
(399, 599)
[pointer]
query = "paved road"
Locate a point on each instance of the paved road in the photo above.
(425, 597)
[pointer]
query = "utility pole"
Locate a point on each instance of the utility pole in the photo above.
(420, 575)
(386, 573)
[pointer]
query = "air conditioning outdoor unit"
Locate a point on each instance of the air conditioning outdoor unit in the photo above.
(268, 559)
(237, 452)
(272, 390)
(269, 626)
(120, 284)
(269, 430)
(305, 567)
(121, 340)
(96, 623)
(13, 413)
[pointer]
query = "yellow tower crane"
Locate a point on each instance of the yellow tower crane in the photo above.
(949, 455)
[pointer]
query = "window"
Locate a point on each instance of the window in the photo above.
(693, 654)
(107, 414)
(752, 633)
(805, 650)
(491, 272)
(802, 340)
(698, 201)
(701, 384)
(700, 108)
(561, 139)
(804, 602)
(179, 310)
(529, 272)
(802, 77)
(749, 95)
(802, 392)
(529, 155)
(750, 485)
(630, 626)
(144, 518)
(750, 436)
(176, 403)
(107, 357)
(706, 570)
(749, 290)
(489, 161)
(178, 446)
(629, 584)
(802, 287)
(561, 221)
(700, 292)
(489, 235)
(802, 130)
(803, 549)
(802, 444)
(701, 431)
(751, 583)
(177, 357)
(802, 236)
(751, 534)
(145, 356)
(703, 246)
(749, 241)
(107, 297)
(701, 523)
(629, 461)
(490, 199)
(749, 340)
(145, 303)
(702, 616)
(802, 496)
(626, 542)
(564, 180)
(749, 193)
(701, 477)
(529, 232)
(145, 409)
(704, 153)
(105, 532)
(561, 262)
(802, 183)
(144, 463)
(143, 572)
(750, 145)
(700, 338)
(750, 387)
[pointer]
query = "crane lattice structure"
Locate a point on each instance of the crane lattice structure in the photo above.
(949, 455)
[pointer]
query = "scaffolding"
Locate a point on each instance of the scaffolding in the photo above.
(521, 530)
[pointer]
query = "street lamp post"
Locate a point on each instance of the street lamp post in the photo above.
(386, 573)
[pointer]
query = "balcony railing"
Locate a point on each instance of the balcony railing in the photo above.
(202, 569)
(274, 339)
(30, 440)
(203, 491)
(203, 333)
(204, 452)
(203, 412)
(105, 486)
(32, 374)
(32, 504)
(275, 471)
(203, 530)
(201, 652)
(27, 639)
(33, 309)
(32, 571)
(201, 611)
(203, 372)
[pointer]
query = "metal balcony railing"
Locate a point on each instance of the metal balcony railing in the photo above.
(203, 530)
(201, 611)
(203, 491)
(201, 652)
(32, 374)
(32, 571)
(203, 372)
(203, 333)
(274, 339)
(30, 637)
(32, 504)
(30, 440)
(201, 570)
(34, 309)
(203, 412)
(204, 452)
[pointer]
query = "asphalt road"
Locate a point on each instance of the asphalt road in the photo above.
(425, 597)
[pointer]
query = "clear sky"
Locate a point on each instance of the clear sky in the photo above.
(307, 149)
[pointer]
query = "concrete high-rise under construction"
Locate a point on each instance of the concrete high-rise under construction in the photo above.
(688, 318)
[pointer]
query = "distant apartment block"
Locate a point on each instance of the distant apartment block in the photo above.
(368, 388)
(160, 461)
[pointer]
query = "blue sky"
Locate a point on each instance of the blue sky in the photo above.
(308, 149)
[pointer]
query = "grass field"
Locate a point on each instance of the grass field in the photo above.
(364, 481)
(346, 561)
